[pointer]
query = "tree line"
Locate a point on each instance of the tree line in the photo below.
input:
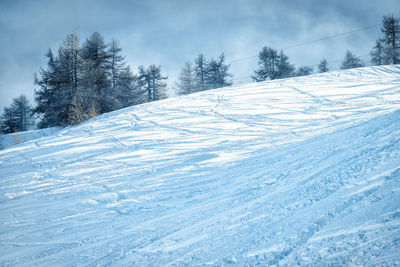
(82, 81)
(203, 75)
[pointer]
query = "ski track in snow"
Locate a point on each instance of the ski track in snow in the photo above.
(300, 171)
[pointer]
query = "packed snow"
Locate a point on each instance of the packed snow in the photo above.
(300, 171)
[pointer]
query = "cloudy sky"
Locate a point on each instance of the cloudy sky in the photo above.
(169, 33)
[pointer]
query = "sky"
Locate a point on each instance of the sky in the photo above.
(169, 33)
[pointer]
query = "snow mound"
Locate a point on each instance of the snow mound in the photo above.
(295, 171)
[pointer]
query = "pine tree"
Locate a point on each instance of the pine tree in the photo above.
(80, 82)
(187, 80)
(217, 73)
(23, 112)
(285, 69)
(391, 39)
(69, 64)
(59, 83)
(351, 61)
(47, 96)
(116, 62)
(129, 91)
(124, 89)
(304, 70)
(152, 81)
(17, 117)
(8, 123)
(268, 65)
(323, 66)
(272, 65)
(96, 74)
(200, 67)
(377, 55)
(69, 56)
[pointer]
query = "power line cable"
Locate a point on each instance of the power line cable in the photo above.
(313, 41)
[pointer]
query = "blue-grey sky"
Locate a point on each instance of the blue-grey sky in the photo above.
(172, 32)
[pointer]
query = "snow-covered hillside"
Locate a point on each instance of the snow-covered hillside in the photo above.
(296, 171)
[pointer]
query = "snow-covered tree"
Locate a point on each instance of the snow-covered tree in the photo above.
(323, 66)
(351, 61)
(187, 80)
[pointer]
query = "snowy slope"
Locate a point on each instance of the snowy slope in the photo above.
(296, 171)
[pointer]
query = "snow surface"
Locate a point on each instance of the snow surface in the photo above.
(296, 171)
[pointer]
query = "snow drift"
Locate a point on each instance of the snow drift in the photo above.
(295, 171)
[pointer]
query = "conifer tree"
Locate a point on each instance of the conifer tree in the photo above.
(272, 65)
(80, 82)
(377, 54)
(116, 62)
(200, 67)
(17, 117)
(285, 69)
(187, 80)
(217, 73)
(96, 74)
(391, 39)
(47, 96)
(129, 91)
(59, 83)
(323, 66)
(267, 61)
(8, 124)
(351, 61)
(152, 81)
(304, 71)
(124, 88)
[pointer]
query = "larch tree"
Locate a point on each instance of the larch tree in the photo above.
(351, 61)
(96, 74)
(187, 80)
(391, 39)
(268, 65)
(304, 71)
(151, 80)
(272, 65)
(323, 66)
(285, 69)
(377, 53)
(17, 117)
(217, 73)
(48, 93)
(200, 67)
